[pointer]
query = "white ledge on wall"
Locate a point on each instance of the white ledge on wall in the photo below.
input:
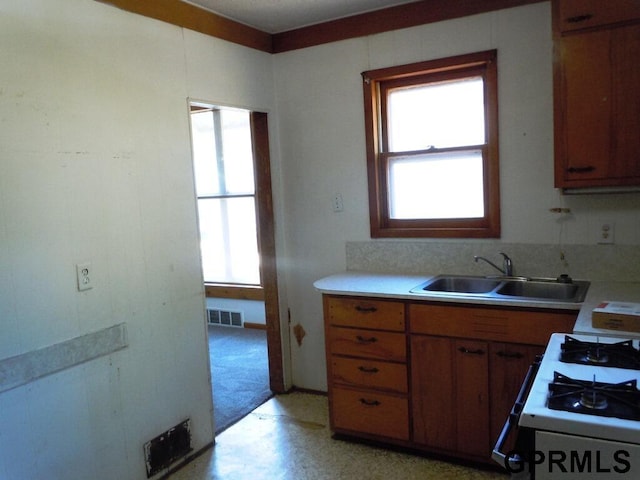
(27, 367)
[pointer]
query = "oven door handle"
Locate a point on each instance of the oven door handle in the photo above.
(512, 420)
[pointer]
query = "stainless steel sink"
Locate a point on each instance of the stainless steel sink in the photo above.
(513, 288)
(547, 290)
(457, 284)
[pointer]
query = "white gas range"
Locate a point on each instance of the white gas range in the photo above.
(579, 420)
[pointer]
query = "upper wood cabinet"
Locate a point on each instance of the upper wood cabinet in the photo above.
(596, 94)
(581, 14)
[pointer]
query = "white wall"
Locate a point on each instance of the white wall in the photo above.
(95, 165)
(323, 152)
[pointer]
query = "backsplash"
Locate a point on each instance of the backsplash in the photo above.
(587, 262)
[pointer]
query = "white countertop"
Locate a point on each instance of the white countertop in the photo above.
(399, 286)
(601, 292)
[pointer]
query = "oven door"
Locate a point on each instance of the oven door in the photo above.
(513, 444)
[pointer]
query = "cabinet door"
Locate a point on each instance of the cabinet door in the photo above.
(450, 394)
(433, 391)
(587, 102)
(508, 365)
(625, 61)
(581, 14)
(598, 108)
(472, 397)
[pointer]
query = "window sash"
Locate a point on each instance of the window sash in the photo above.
(438, 114)
(222, 151)
(228, 240)
(430, 185)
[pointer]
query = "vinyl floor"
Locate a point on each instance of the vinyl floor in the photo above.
(288, 438)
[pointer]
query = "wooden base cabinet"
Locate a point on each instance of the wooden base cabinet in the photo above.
(367, 367)
(435, 377)
(467, 366)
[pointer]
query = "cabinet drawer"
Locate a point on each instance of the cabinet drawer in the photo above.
(370, 412)
(579, 14)
(365, 313)
(516, 326)
(369, 373)
(367, 343)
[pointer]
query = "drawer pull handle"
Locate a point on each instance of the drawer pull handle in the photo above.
(585, 169)
(362, 309)
(364, 369)
(369, 403)
(361, 339)
(510, 354)
(479, 351)
(579, 18)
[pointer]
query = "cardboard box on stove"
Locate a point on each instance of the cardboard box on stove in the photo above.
(623, 316)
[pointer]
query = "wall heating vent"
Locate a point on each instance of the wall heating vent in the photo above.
(167, 447)
(225, 317)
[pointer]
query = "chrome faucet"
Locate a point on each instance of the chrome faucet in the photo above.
(507, 264)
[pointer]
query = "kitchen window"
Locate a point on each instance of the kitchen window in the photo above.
(225, 187)
(432, 148)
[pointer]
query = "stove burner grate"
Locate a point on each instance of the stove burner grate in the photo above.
(620, 354)
(620, 400)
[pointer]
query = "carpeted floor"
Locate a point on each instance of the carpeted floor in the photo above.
(239, 372)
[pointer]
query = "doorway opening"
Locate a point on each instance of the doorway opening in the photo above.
(233, 185)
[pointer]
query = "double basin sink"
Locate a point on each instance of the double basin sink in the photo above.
(562, 289)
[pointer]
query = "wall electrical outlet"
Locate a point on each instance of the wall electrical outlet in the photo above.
(606, 233)
(84, 274)
(338, 205)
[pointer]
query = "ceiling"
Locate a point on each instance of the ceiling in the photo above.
(275, 16)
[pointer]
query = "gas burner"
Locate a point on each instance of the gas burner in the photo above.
(593, 399)
(621, 400)
(597, 356)
(620, 354)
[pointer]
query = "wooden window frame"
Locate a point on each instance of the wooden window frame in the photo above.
(238, 292)
(375, 85)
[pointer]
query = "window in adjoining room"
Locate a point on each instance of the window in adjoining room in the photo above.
(225, 187)
(432, 148)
